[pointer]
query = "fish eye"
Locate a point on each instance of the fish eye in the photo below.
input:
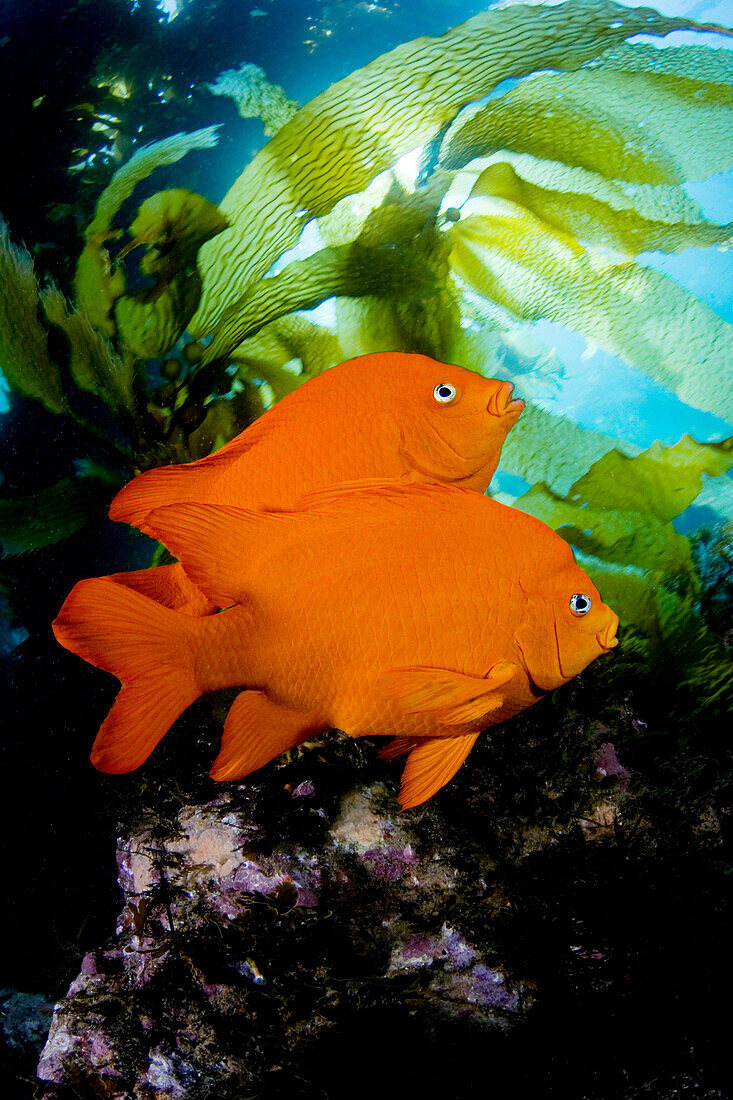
(444, 393)
(580, 604)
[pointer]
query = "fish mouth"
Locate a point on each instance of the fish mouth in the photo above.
(606, 638)
(501, 403)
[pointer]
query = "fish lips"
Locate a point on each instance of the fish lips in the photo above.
(501, 403)
(608, 637)
(605, 639)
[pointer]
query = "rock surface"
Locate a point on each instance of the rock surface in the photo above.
(550, 924)
(236, 955)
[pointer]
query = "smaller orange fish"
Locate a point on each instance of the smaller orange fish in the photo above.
(415, 610)
(380, 415)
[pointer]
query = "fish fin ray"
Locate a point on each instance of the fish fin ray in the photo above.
(169, 586)
(431, 765)
(396, 487)
(256, 731)
(148, 648)
(212, 542)
(167, 484)
(453, 698)
(397, 747)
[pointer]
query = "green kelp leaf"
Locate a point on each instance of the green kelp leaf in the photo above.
(662, 481)
(704, 662)
(139, 167)
(387, 260)
(417, 311)
(97, 285)
(629, 591)
(52, 514)
(24, 359)
(677, 635)
(666, 203)
(536, 272)
(171, 225)
(286, 353)
(361, 125)
(93, 362)
(621, 510)
(150, 324)
(628, 537)
(302, 285)
(700, 63)
(592, 220)
(641, 127)
(419, 316)
(255, 96)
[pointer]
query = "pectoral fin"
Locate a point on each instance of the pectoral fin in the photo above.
(431, 765)
(454, 699)
(256, 731)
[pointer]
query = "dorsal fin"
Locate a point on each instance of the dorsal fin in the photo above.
(190, 481)
(412, 484)
(217, 545)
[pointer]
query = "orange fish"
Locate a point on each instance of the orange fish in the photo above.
(411, 609)
(379, 415)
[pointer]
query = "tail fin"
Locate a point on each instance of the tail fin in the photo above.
(148, 648)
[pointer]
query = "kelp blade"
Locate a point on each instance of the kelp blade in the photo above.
(337, 143)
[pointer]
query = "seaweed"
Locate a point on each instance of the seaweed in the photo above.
(533, 203)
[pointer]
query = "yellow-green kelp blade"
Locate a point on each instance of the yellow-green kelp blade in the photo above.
(675, 631)
(24, 356)
(41, 519)
(97, 285)
(389, 260)
(286, 353)
(93, 363)
(171, 226)
(361, 125)
(139, 166)
(581, 209)
(621, 510)
(635, 126)
(535, 271)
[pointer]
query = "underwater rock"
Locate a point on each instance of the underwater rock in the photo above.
(237, 951)
(295, 933)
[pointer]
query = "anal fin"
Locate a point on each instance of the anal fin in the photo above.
(397, 747)
(256, 731)
(431, 765)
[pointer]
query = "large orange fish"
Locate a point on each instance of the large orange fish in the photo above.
(379, 415)
(416, 610)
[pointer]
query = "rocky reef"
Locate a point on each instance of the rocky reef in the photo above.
(550, 922)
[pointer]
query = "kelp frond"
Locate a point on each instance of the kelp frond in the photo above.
(621, 510)
(360, 126)
(23, 345)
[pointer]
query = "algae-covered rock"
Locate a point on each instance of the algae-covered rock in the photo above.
(239, 953)
(295, 934)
